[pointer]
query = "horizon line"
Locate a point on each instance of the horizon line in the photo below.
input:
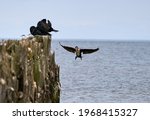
(95, 39)
(84, 39)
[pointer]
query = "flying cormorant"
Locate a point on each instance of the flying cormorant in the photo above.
(79, 51)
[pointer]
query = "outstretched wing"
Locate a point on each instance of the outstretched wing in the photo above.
(88, 51)
(70, 49)
(49, 24)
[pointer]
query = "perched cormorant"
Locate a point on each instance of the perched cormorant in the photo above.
(43, 28)
(79, 51)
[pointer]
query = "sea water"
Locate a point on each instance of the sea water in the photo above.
(118, 72)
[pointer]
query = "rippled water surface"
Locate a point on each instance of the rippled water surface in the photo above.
(118, 72)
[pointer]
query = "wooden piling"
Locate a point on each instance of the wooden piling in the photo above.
(28, 72)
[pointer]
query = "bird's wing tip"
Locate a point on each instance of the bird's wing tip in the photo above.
(60, 43)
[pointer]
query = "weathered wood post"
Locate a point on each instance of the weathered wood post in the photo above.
(28, 72)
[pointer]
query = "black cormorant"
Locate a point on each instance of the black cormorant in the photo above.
(79, 51)
(43, 28)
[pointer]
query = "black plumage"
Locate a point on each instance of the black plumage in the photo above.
(35, 31)
(50, 27)
(78, 51)
(43, 28)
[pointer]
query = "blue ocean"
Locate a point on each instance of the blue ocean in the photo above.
(118, 73)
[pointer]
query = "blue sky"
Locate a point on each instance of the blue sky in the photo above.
(78, 19)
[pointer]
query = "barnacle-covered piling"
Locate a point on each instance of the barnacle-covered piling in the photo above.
(28, 72)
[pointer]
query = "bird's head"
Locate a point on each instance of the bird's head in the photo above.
(76, 47)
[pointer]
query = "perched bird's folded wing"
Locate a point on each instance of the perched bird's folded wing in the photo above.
(88, 51)
(70, 49)
(34, 31)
